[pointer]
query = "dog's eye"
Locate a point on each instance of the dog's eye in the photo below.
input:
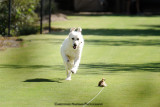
(77, 38)
(72, 38)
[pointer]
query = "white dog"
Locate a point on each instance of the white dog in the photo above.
(71, 50)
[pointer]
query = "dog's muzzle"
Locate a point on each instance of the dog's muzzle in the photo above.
(74, 46)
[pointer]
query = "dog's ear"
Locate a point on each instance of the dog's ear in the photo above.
(79, 29)
(72, 29)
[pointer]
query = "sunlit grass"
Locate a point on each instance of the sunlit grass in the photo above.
(127, 55)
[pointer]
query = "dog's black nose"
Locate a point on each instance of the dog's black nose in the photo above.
(74, 44)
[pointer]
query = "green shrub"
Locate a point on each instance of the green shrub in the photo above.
(28, 29)
(22, 13)
(46, 7)
(3, 17)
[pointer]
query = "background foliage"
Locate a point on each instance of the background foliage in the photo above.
(22, 16)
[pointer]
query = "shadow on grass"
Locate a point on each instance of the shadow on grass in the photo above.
(44, 80)
(115, 32)
(95, 68)
(97, 14)
(102, 68)
(110, 42)
(131, 42)
(51, 40)
(151, 26)
(60, 67)
(122, 32)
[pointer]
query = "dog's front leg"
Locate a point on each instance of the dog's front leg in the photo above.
(68, 72)
(76, 64)
(67, 65)
(68, 75)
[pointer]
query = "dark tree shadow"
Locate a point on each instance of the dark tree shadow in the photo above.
(54, 40)
(122, 32)
(102, 68)
(151, 26)
(52, 67)
(97, 14)
(58, 80)
(131, 42)
(115, 32)
(61, 67)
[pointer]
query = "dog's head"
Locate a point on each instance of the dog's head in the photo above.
(103, 79)
(75, 37)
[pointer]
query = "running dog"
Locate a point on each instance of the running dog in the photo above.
(71, 51)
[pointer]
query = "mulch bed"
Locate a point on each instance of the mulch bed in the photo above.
(10, 42)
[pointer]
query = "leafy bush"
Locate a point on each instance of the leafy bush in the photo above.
(22, 13)
(46, 7)
(3, 17)
(28, 29)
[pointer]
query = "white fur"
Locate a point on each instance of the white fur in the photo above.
(71, 56)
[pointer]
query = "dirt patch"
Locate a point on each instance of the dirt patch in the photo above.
(55, 17)
(10, 42)
(53, 29)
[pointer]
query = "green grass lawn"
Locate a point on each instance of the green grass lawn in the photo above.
(124, 50)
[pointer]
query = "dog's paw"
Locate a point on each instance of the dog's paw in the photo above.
(74, 71)
(68, 78)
